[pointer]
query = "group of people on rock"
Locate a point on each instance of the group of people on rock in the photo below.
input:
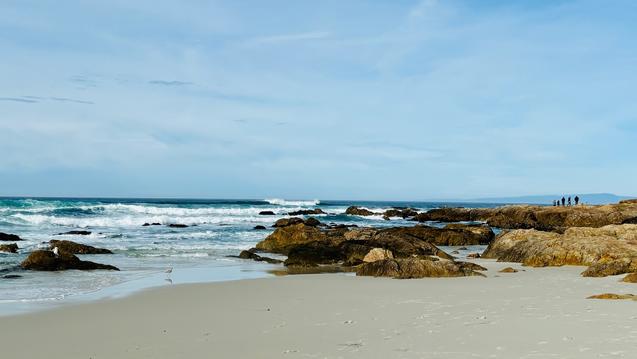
(565, 202)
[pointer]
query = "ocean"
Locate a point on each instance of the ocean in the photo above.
(200, 252)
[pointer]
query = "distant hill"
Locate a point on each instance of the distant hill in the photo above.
(589, 198)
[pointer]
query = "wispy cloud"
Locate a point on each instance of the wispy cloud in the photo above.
(282, 38)
(18, 99)
(170, 83)
(37, 99)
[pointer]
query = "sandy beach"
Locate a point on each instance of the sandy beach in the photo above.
(535, 313)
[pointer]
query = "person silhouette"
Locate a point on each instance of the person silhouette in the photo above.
(576, 200)
(569, 201)
(563, 201)
(554, 203)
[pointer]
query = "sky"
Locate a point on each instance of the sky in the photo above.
(377, 100)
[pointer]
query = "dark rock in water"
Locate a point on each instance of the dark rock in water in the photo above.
(11, 276)
(177, 225)
(146, 224)
(41, 260)
(77, 248)
(6, 237)
(284, 222)
(258, 258)
(312, 222)
(10, 248)
(266, 213)
(416, 268)
(306, 212)
(357, 211)
(400, 212)
(77, 233)
(259, 227)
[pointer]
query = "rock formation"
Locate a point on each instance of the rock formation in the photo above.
(608, 250)
(76, 233)
(9, 248)
(42, 260)
(416, 268)
(77, 248)
(306, 212)
(357, 211)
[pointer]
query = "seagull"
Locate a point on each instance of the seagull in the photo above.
(169, 270)
(56, 251)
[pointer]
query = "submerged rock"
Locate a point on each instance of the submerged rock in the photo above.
(266, 213)
(260, 227)
(6, 237)
(77, 233)
(409, 268)
(11, 276)
(255, 257)
(42, 260)
(630, 278)
(151, 224)
(613, 296)
(77, 248)
(9, 248)
(608, 250)
(509, 270)
(177, 225)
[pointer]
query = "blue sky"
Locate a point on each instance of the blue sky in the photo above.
(333, 99)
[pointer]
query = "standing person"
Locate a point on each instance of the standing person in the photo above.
(576, 200)
(554, 203)
(569, 201)
(563, 201)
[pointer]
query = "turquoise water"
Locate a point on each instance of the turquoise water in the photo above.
(216, 229)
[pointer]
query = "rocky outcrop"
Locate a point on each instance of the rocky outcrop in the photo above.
(538, 217)
(9, 248)
(42, 260)
(6, 237)
(266, 213)
(307, 212)
(609, 250)
(284, 222)
(456, 235)
(77, 248)
(151, 224)
(415, 268)
(259, 227)
(358, 211)
(75, 233)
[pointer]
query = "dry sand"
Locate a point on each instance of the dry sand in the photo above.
(535, 313)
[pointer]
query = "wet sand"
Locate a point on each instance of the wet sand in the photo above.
(535, 313)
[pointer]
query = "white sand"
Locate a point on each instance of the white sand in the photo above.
(538, 313)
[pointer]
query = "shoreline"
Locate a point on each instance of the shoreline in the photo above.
(537, 312)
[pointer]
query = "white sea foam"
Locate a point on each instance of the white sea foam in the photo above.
(283, 202)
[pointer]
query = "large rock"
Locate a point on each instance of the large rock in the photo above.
(456, 235)
(452, 214)
(42, 260)
(609, 250)
(77, 248)
(287, 237)
(415, 268)
(9, 248)
(6, 237)
(357, 211)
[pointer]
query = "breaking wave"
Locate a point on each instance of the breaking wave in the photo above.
(283, 202)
